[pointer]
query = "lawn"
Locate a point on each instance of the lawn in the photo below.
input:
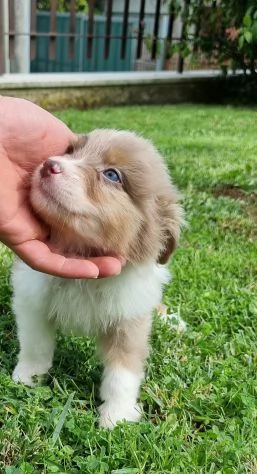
(200, 393)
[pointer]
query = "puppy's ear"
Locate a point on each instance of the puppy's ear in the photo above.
(170, 215)
(79, 142)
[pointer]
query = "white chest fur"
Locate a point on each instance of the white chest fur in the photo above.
(87, 306)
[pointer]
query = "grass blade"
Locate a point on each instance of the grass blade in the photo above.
(62, 418)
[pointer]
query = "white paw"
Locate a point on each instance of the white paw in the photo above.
(28, 374)
(111, 413)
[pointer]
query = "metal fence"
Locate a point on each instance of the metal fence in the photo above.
(134, 35)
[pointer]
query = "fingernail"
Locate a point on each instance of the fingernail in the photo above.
(122, 260)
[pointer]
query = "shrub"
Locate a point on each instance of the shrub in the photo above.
(225, 31)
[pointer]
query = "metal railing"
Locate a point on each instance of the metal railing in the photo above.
(147, 30)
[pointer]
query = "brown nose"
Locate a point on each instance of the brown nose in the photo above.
(50, 167)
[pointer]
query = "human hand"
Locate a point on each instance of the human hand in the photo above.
(28, 136)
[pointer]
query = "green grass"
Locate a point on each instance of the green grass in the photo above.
(200, 394)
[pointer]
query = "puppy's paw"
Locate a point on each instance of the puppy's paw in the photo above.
(29, 375)
(111, 413)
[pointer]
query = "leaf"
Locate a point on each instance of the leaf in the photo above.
(62, 418)
(247, 21)
(248, 36)
(154, 397)
(126, 470)
(241, 41)
(254, 31)
(12, 470)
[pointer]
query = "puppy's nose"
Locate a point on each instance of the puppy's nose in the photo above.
(50, 167)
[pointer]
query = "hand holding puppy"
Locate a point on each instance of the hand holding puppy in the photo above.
(28, 136)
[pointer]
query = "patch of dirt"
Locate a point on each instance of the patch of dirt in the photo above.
(234, 192)
(249, 203)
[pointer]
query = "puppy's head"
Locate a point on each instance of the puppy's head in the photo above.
(109, 195)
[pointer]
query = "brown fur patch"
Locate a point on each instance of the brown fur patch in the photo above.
(79, 142)
(114, 157)
(126, 344)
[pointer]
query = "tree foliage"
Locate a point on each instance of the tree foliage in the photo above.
(63, 5)
(224, 31)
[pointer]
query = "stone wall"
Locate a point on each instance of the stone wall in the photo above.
(212, 89)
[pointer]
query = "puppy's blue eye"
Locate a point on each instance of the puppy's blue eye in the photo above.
(112, 175)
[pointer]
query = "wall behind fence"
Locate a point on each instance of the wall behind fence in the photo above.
(63, 61)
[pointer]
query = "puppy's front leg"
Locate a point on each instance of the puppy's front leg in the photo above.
(124, 349)
(36, 337)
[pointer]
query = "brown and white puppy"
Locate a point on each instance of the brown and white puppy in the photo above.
(111, 195)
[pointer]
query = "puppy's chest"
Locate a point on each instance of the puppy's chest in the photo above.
(87, 307)
(77, 306)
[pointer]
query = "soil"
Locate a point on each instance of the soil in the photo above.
(235, 192)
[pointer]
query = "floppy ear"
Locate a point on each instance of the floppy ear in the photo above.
(79, 141)
(170, 215)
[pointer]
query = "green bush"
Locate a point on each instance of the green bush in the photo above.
(63, 5)
(224, 31)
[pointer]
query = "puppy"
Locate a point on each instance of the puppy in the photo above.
(111, 195)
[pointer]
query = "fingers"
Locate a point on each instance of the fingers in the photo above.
(108, 266)
(38, 256)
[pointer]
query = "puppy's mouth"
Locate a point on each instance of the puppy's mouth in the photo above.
(64, 236)
(49, 194)
(49, 197)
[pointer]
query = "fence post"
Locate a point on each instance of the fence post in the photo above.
(160, 62)
(5, 12)
(21, 63)
(180, 66)
(1, 40)
(4, 37)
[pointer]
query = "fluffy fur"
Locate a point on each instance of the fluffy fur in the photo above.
(131, 210)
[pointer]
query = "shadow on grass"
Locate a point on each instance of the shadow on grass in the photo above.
(76, 365)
